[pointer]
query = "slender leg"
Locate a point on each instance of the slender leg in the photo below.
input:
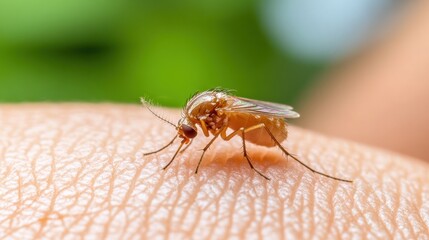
(204, 151)
(296, 159)
(204, 128)
(243, 133)
(168, 164)
(262, 125)
(159, 150)
(249, 129)
(186, 147)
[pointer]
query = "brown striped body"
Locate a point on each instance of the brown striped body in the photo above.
(259, 136)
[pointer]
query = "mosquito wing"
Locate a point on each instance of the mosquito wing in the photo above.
(245, 105)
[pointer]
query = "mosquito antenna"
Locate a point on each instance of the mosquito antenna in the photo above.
(146, 104)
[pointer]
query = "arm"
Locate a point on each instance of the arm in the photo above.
(381, 96)
(73, 170)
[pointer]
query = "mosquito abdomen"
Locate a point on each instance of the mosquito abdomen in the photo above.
(259, 136)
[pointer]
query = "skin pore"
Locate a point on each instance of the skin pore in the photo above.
(78, 170)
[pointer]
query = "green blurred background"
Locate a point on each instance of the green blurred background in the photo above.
(119, 50)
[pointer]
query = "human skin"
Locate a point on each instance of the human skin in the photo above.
(78, 170)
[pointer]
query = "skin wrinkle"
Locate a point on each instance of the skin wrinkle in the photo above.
(417, 224)
(411, 211)
(255, 225)
(253, 212)
(122, 206)
(217, 204)
(98, 175)
(194, 197)
(319, 201)
(264, 207)
(196, 189)
(112, 216)
(19, 188)
(196, 214)
(338, 203)
(174, 206)
(161, 201)
(271, 219)
(186, 212)
(221, 218)
(111, 184)
(194, 225)
(376, 208)
(336, 229)
(374, 193)
(395, 207)
(349, 227)
(222, 192)
(89, 202)
(231, 208)
(238, 221)
(146, 219)
(280, 210)
(44, 220)
(79, 217)
(419, 204)
(312, 206)
(127, 197)
(253, 220)
(156, 209)
(50, 181)
(176, 209)
(19, 202)
(307, 202)
(166, 206)
(83, 168)
(33, 172)
(371, 219)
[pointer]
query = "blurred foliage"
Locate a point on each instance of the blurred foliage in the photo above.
(119, 50)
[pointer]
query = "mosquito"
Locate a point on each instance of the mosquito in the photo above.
(217, 110)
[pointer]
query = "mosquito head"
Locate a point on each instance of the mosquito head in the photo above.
(187, 131)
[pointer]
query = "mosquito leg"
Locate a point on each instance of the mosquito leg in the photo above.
(296, 159)
(186, 147)
(243, 133)
(204, 128)
(177, 151)
(204, 151)
(159, 150)
(262, 125)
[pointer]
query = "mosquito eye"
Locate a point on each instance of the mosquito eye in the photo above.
(189, 131)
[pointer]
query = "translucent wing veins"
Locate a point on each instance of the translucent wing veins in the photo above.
(246, 105)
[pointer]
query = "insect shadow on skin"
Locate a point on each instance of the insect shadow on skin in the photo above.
(215, 111)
